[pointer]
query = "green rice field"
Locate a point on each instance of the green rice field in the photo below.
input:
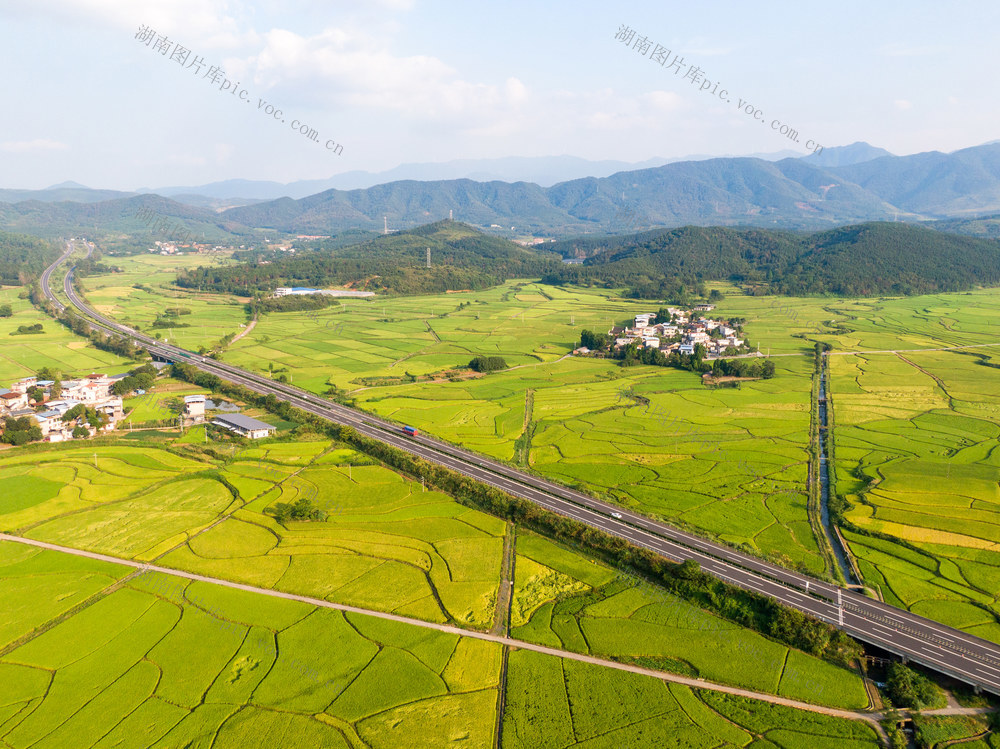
(56, 347)
(729, 463)
(144, 290)
(917, 434)
(914, 431)
(387, 545)
(559, 703)
(124, 660)
(162, 662)
(564, 600)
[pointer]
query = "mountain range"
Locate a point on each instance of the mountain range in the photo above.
(839, 186)
(791, 193)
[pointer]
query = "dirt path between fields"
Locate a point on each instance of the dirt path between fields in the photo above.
(250, 326)
(869, 718)
(875, 351)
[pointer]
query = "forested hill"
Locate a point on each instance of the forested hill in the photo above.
(461, 258)
(860, 260)
(22, 258)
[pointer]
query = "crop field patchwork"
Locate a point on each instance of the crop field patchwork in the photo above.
(56, 348)
(144, 291)
(568, 601)
(165, 662)
(386, 545)
(916, 446)
(559, 703)
(727, 463)
(730, 463)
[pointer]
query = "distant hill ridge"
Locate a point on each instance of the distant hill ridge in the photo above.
(839, 186)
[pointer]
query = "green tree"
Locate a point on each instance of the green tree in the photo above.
(594, 341)
(488, 363)
(907, 688)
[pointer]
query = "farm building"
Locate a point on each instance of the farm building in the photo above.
(194, 407)
(245, 426)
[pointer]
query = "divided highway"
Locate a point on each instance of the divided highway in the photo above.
(971, 659)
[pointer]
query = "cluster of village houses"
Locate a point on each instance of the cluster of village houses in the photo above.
(93, 391)
(681, 333)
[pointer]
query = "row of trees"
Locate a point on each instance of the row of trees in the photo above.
(115, 344)
(28, 329)
(754, 367)
(291, 303)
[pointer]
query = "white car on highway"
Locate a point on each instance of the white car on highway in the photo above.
(616, 515)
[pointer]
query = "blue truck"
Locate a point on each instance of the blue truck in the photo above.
(412, 432)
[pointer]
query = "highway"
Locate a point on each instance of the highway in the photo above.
(968, 658)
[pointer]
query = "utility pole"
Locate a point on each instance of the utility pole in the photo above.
(840, 606)
(95, 460)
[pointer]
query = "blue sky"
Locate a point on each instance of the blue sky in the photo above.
(402, 81)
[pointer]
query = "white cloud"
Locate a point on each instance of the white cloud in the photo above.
(902, 104)
(30, 146)
(344, 68)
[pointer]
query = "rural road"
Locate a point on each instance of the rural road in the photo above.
(499, 639)
(250, 326)
(945, 649)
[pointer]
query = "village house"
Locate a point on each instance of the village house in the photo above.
(23, 385)
(12, 401)
(93, 391)
(194, 408)
(692, 333)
